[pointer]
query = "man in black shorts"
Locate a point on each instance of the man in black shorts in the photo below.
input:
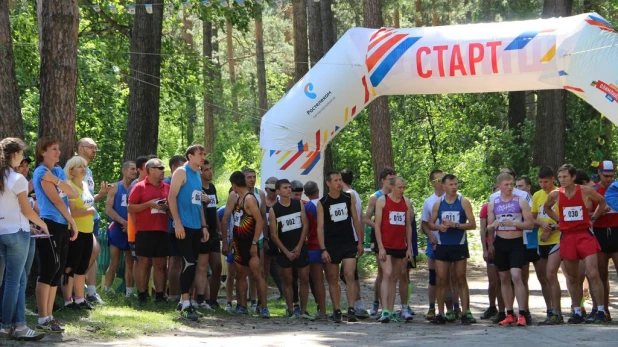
(174, 267)
(336, 215)
(288, 231)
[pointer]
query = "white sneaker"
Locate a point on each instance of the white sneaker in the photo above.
(205, 306)
(229, 308)
(406, 315)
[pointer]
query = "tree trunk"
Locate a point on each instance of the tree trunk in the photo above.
(261, 67)
(314, 19)
(418, 18)
(328, 25)
(11, 121)
(232, 67)
(301, 49)
(59, 23)
(517, 112)
(209, 76)
(187, 36)
(379, 119)
(396, 22)
(550, 134)
(435, 18)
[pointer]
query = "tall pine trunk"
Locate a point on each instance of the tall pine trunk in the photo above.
(232, 67)
(187, 36)
(301, 49)
(328, 40)
(144, 85)
(11, 121)
(209, 79)
(59, 23)
(261, 67)
(379, 119)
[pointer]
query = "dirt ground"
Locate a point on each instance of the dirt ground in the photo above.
(239, 331)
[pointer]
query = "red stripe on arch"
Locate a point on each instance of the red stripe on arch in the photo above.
(379, 39)
(376, 33)
(291, 161)
(380, 52)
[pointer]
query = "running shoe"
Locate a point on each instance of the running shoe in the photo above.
(374, 309)
(458, 313)
(386, 317)
(307, 316)
(49, 327)
(406, 315)
(470, 317)
(337, 316)
(297, 310)
(499, 318)
(179, 306)
(204, 306)
(489, 313)
(521, 320)
(361, 313)
(555, 320)
(431, 314)
(528, 317)
(189, 313)
(95, 299)
(438, 319)
(591, 317)
(229, 308)
(465, 320)
(510, 319)
(241, 310)
(323, 317)
(71, 306)
(450, 316)
(396, 318)
(291, 315)
(215, 305)
(411, 311)
(255, 309)
(352, 315)
(85, 305)
(549, 313)
(601, 318)
(576, 319)
(27, 334)
(265, 313)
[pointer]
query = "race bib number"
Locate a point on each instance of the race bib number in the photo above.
(573, 213)
(504, 217)
(339, 212)
(61, 193)
(397, 218)
(90, 183)
(123, 200)
(88, 200)
(453, 216)
(237, 216)
(290, 222)
(213, 201)
(156, 211)
(196, 197)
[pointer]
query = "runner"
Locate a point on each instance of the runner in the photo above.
(455, 215)
(524, 183)
(317, 268)
(577, 241)
(393, 214)
(549, 243)
(116, 210)
(174, 266)
(268, 249)
(337, 242)
(385, 175)
(185, 203)
(87, 149)
(210, 251)
(288, 230)
(508, 216)
(148, 202)
(248, 226)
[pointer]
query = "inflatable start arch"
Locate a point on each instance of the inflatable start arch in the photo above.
(578, 53)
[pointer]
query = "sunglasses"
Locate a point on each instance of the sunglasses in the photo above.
(158, 167)
(437, 180)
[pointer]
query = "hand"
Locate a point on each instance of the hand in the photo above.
(495, 224)
(433, 240)
(296, 251)
(545, 235)
(153, 204)
(508, 222)
(253, 251)
(179, 230)
(50, 177)
(546, 226)
(447, 223)
(205, 234)
(443, 228)
(607, 210)
(382, 254)
(205, 198)
(325, 257)
(73, 230)
(485, 255)
(290, 255)
(409, 256)
(266, 246)
(125, 225)
(104, 188)
(360, 250)
(225, 250)
(491, 252)
(91, 210)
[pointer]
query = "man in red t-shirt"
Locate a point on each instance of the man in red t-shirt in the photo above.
(316, 266)
(148, 201)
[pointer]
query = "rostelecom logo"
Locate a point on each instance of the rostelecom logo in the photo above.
(308, 91)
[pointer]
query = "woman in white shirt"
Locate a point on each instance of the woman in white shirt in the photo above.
(15, 240)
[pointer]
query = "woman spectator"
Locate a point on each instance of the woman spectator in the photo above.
(80, 249)
(15, 241)
(51, 190)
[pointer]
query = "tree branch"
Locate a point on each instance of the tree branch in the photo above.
(123, 29)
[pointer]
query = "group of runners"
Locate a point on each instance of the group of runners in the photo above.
(171, 229)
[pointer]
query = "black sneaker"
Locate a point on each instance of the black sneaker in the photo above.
(337, 316)
(465, 320)
(215, 305)
(600, 318)
(352, 316)
(189, 313)
(179, 306)
(438, 319)
(85, 305)
(499, 318)
(576, 319)
(490, 312)
(72, 306)
(592, 317)
(528, 317)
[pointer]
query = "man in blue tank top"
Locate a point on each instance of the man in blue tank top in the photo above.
(185, 201)
(117, 212)
(455, 215)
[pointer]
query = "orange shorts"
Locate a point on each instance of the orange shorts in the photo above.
(577, 245)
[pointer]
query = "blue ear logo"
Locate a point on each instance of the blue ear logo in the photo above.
(308, 91)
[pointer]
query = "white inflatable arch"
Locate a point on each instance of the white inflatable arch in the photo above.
(579, 54)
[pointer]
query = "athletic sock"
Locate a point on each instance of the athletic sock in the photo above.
(92, 290)
(601, 308)
(67, 303)
(200, 298)
(510, 312)
(522, 312)
(455, 306)
(358, 304)
(578, 311)
(432, 305)
(185, 304)
(43, 320)
(130, 290)
(556, 312)
(79, 299)
(253, 302)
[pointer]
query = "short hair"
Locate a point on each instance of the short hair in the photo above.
(73, 163)
(297, 186)
(206, 162)
(177, 160)
(448, 177)
(505, 176)
(238, 178)
(509, 171)
(281, 182)
(42, 144)
(387, 171)
(396, 179)
(311, 188)
(330, 174)
(194, 148)
(247, 170)
(546, 172)
(142, 159)
(572, 170)
(347, 176)
(581, 176)
(433, 174)
(525, 179)
(127, 164)
(151, 162)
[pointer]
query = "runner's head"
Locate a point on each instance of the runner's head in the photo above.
(283, 187)
(176, 162)
(271, 187)
(250, 177)
(523, 183)
(607, 171)
(546, 178)
(566, 175)
(582, 178)
(333, 181)
(237, 179)
(24, 166)
(312, 191)
(129, 170)
(505, 182)
(206, 171)
(196, 154)
(47, 151)
(155, 170)
(398, 186)
(435, 178)
(297, 190)
(449, 182)
(140, 164)
(87, 148)
(347, 176)
(386, 174)
(509, 171)
(11, 155)
(76, 168)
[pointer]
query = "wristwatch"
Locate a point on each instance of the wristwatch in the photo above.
(254, 243)
(456, 225)
(322, 249)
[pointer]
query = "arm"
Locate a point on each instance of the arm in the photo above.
(409, 218)
(109, 207)
(491, 227)
(305, 231)
(552, 198)
(54, 197)
(360, 232)
(205, 233)
(597, 199)
(263, 214)
(378, 228)
(483, 230)
(253, 210)
(102, 192)
(225, 221)
(320, 230)
(434, 217)
(370, 210)
(178, 179)
(471, 224)
(65, 186)
(76, 213)
(29, 213)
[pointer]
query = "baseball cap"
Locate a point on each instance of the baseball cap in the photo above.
(270, 182)
(607, 166)
(297, 186)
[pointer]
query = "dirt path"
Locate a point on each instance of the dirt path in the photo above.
(235, 331)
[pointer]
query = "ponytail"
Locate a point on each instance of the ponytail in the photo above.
(8, 147)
